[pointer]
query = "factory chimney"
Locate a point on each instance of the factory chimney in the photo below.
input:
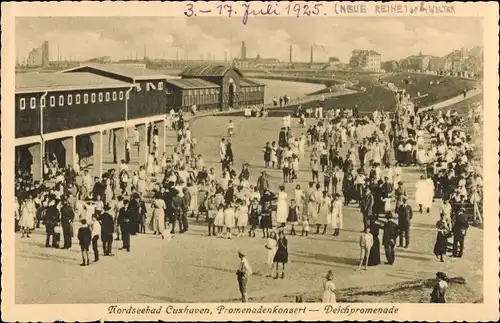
(290, 59)
(312, 55)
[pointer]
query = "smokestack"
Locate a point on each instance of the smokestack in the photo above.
(290, 54)
(311, 55)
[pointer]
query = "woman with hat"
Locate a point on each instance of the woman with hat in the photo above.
(329, 289)
(282, 208)
(336, 215)
(439, 292)
(443, 232)
(281, 256)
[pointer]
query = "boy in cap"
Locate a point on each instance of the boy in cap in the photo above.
(389, 238)
(84, 238)
(244, 271)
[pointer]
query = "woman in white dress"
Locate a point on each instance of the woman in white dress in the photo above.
(193, 204)
(324, 212)
(271, 246)
(376, 154)
(157, 164)
(337, 216)
(282, 210)
(108, 192)
(274, 157)
(313, 206)
(343, 136)
(423, 198)
(28, 212)
(141, 183)
(302, 144)
(329, 289)
(151, 164)
(422, 158)
(157, 224)
(299, 197)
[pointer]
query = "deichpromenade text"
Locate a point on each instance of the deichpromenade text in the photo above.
(229, 310)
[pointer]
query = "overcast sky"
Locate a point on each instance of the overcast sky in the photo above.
(394, 38)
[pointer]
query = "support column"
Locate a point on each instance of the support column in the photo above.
(69, 145)
(119, 145)
(143, 144)
(160, 125)
(96, 139)
(37, 165)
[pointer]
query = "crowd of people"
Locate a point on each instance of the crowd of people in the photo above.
(234, 205)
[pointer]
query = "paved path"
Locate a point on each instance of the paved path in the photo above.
(454, 100)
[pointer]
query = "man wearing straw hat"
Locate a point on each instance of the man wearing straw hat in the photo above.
(244, 271)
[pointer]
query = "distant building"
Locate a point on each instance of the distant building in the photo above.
(440, 64)
(257, 62)
(39, 57)
(216, 86)
(368, 60)
(418, 62)
(460, 62)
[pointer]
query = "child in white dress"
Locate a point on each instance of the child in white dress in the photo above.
(271, 246)
(219, 220)
(242, 217)
(229, 219)
(305, 225)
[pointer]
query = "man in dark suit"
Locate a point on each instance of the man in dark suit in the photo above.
(70, 175)
(400, 194)
(387, 187)
(262, 183)
(67, 218)
(107, 230)
(362, 150)
(51, 220)
(366, 206)
(124, 220)
(143, 214)
(459, 232)
(229, 196)
(168, 196)
(135, 215)
(282, 138)
(178, 211)
(389, 239)
(98, 189)
(405, 214)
